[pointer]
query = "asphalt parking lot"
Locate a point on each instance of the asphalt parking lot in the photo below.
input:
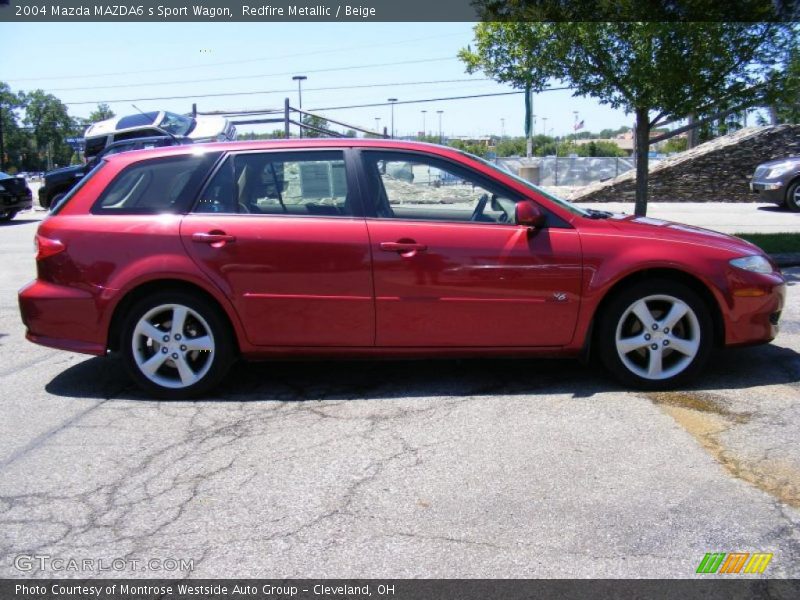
(478, 468)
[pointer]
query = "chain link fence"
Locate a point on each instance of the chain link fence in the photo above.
(570, 171)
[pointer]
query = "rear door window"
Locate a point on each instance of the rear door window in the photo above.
(313, 183)
(161, 185)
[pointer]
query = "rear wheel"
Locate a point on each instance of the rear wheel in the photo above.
(176, 345)
(792, 200)
(55, 200)
(655, 335)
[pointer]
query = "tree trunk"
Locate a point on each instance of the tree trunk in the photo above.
(642, 160)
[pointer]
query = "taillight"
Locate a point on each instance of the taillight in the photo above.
(45, 247)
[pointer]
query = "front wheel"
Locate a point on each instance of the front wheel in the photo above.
(655, 335)
(7, 215)
(792, 200)
(176, 345)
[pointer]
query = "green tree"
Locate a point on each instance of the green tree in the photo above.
(676, 144)
(315, 121)
(476, 149)
(659, 71)
(786, 102)
(101, 113)
(50, 125)
(14, 138)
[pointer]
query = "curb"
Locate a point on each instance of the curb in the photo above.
(788, 259)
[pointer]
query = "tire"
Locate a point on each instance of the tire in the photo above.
(55, 200)
(176, 363)
(644, 345)
(7, 215)
(792, 200)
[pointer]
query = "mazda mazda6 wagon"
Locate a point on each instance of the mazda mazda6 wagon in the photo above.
(183, 259)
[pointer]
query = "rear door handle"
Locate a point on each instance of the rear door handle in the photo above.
(213, 237)
(403, 247)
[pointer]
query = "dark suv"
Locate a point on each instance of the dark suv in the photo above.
(57, 183)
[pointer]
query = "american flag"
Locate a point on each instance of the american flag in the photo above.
(578, 125)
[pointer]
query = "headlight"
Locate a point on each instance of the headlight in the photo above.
(779, 170)
(755, 264)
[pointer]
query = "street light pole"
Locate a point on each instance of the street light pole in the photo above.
(392, 101)
(423, 123)
(439, 112)
(377, 124)
(300, 79)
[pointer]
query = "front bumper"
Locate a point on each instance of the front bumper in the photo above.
(771, 191)
(755, 302)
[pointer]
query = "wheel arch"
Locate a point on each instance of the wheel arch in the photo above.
(670, 274)
(160, 285)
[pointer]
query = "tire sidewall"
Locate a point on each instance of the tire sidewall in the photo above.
(616, 307)
(223, 350)
(789, 201)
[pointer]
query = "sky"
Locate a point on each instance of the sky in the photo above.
(129, 63)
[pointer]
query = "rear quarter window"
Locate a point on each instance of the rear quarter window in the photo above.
(160, 185)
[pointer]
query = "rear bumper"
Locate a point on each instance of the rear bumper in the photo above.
(15, 203)
(62, 317)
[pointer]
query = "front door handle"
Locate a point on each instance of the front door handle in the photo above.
(216, 239)
(403, 247)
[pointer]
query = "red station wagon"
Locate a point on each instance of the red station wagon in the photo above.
(183, 259)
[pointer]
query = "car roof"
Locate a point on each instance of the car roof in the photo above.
(288, 144)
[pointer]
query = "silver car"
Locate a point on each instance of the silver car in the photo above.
(778, 181)
(202, 128)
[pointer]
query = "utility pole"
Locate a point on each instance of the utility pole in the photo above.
(423, 123)
(392, 101)
(300, 79)
(502, 127)
(529, 124)
(544, 127)
(378, 124)
(439, 112)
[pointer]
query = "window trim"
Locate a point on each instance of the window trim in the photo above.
(552, 220)
(351, 166)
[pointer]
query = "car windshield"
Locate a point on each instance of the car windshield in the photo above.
(176, 124)
(560, 201)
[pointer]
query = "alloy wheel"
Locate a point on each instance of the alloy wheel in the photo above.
(658, 337)
(173, 346)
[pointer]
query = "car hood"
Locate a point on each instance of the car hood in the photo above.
(687, 234)
(208, 127)
(64, 171)
(780, 161)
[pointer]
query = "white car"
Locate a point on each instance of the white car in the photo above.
(157, 123)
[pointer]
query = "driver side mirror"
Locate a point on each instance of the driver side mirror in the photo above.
(529, 214)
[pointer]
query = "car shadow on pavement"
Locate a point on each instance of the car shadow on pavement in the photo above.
(315, 380)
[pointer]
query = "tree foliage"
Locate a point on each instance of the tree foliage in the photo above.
(659, 71)
(50, 125)
(101, 113)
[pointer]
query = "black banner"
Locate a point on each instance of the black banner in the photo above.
(397, 589)
(398, 10)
